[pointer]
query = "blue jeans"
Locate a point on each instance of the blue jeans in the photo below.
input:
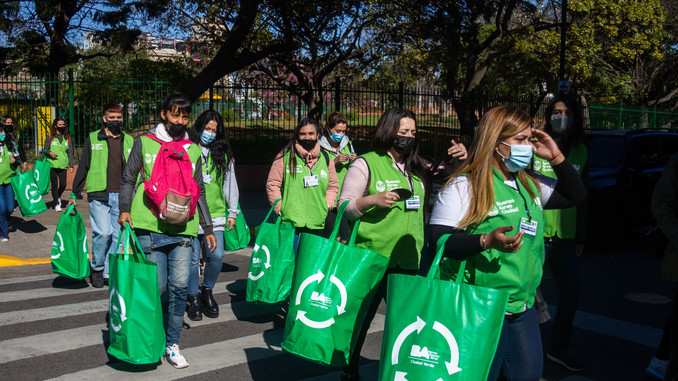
(172, 254)
(519, 354)
(564, 264)
(213, 262)
(6, 208)
(104, 218)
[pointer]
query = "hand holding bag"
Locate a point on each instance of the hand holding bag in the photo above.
(136, 329)
(239, 236)
(439, 329)
(69, 247)
(269, 279)
(332, 288)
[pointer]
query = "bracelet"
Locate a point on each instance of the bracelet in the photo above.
(484, 237)
(558, 154)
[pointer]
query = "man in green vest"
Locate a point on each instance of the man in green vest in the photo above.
(101, 166)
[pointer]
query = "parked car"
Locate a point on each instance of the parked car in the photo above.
(624, 167)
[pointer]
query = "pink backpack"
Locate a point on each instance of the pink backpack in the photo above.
(172, 190)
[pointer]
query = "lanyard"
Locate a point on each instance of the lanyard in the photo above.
(527, 208)
(409, 178)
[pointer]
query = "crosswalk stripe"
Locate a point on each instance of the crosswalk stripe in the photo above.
(63, 340)
(65, 310)
(204, 358)
(26, 279)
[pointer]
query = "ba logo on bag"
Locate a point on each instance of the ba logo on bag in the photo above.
(32, 193)
(257, 261)
(326, 308)
(420, 337)
(118, 310)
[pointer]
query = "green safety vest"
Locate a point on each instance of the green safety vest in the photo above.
(6, 170)
(214, 188)
(61, 149)
(518, 273)
(305, 206)
(342, 167)
(97, 174)
(562, 223)
(142, 217)
(395, 232)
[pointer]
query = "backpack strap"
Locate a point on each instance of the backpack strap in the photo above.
(327, 158)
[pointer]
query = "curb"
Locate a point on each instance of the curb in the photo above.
(8, 260)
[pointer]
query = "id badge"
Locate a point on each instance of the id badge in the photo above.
(413, 203)
(529, 227)
(311, 181)
(206, 178)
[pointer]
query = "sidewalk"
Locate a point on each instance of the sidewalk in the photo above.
(32, 237)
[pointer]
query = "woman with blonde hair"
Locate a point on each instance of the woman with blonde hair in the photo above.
(493, 208)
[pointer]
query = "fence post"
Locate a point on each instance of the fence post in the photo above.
(337, 94)
(210, 101)
(298, 108)
(71, 108)
(621, 113)
(401, 87)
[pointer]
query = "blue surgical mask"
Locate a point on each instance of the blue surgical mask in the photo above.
(520, 158)
(337, 137)
(207, 137)
(2, 137)
(561, 123)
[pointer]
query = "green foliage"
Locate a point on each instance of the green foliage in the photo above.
(230, 115)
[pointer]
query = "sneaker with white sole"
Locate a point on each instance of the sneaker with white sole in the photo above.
(3, 239)
(173, 356)
(565, 359)
(57, 205)
(657, 368)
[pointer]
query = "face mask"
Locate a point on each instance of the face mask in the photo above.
(114, 126)
(520, 158)
(561, 123)
(9, 127)
(307, 144)
(2, 137)
(207, 137)
(403, 144)
(61, 129)
(175, 130)
(337, 137)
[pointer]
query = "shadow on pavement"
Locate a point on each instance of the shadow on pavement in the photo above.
(62, 282)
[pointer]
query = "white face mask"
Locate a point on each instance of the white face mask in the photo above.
(561, 123)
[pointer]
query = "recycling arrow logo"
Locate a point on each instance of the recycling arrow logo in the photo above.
(117, 310)
(267, 264)
(36, 174)
(61, 247)
(28, 195)
(451, 366)
(322, 299)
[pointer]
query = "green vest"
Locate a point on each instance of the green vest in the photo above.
(518, 273)
(6, 170)
(142, 217)
(214, 188)
(61, 149)
(395, 232)
(562, 223)
(305, 206)
(342, 167)
(98, 165)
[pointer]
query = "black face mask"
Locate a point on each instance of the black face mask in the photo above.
(403, 144)
(307, 144)
(114, 126)
(61, 130)
(9, 128)
(175, 130)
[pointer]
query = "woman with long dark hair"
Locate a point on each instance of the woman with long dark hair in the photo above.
(9, 160)
(493, 208)
(59, 153)
(305, 179)
(387, 191)
(221, 191)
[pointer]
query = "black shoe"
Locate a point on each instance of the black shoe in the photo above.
(97, 279)
(350, 376)
(209, 306)
(565, 359)
(105, 281)
(193, 308)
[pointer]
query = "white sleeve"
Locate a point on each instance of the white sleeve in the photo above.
(452, 203)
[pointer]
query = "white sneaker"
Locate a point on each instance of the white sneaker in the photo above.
(4, 239)
(657, 368)
(57, 206)
(173, 356)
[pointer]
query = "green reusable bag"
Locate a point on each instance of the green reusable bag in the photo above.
(269, 279)
(69, 247)
(440, 329)
(332, 288)
(41, 175)
(136, 329)
(239, 236)
(27, 194)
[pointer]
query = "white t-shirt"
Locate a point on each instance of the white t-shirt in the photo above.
(453, 200)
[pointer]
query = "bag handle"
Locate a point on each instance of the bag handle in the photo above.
(271, 211)
(136, 251)
(337, 220)
(71, 208)
(435, 266)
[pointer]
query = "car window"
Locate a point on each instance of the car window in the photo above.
(644, 152)
(605, 151)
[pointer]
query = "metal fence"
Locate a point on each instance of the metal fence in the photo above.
(260, 119)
